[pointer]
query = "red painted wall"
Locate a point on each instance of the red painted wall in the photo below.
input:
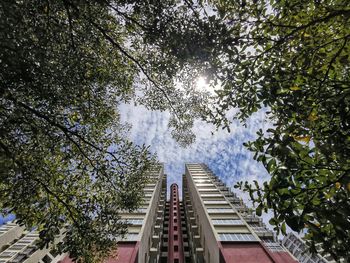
(175, 228)
(283, 257)
(234, 252)
(127, 253)
(244, 252)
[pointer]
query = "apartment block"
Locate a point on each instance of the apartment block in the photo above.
(221, 227)
(145, 226)
(208, 224)
(141, 244)
(297, 247)
(19, 246)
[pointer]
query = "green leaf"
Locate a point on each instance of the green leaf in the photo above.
(258, 210)
(283, 228)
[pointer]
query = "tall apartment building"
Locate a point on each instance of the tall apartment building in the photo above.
(141, 244)
(221, 227)
(143, 241)
(18, 245)
(297, 247)
(209, 224)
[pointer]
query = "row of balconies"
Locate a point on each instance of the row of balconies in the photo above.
(20, 249)
(158, 228)
(263, 232)
(193, 231)
(164, 243)
(251, 219)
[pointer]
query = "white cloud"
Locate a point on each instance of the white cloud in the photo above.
(223, 152)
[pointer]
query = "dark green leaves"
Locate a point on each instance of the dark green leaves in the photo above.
(258, 210)
(65, 161)
(65, 66)
(297, 66)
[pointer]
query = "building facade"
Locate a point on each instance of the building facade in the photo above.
(18, 245)
(221, 227)
(145, 226)
(297, 247)
(141, 244)
(209, 224)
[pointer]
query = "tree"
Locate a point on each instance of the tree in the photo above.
(66, 65)
(65, 161)
(292, 57)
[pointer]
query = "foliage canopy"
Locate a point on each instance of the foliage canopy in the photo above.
(293, 58)
(66, 65)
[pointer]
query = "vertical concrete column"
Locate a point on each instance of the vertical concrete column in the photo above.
(175, 241)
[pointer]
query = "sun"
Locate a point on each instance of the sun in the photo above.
(201, 84)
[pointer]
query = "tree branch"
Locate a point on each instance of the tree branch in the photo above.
(143, 70)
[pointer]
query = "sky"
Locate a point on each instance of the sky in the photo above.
(223, 152)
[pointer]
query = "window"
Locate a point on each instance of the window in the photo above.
(131, 237)
(211, 195)
(18, 247)
(236, 237)
(46, 259)
(272, 245)
(54, 253)
(215, 210)
(201, 181)
(227, 222)
(134, 221)
(176, 248)
(215, 202)
(208, 190)
(8, 254)
(141, 210)
(176, 237)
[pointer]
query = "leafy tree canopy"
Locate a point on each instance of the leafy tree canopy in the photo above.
(293, 58)
(64, 157)
(66, 65)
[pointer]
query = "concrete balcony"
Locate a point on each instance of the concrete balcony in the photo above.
(153, 255)
(194, 230)
(263, 232)
(156, 241)
(190, 213)
(199, 255)
(252, 219)
(159, 220)
(157, 229)
(241, 209)
(197, 240)
(223, 188)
